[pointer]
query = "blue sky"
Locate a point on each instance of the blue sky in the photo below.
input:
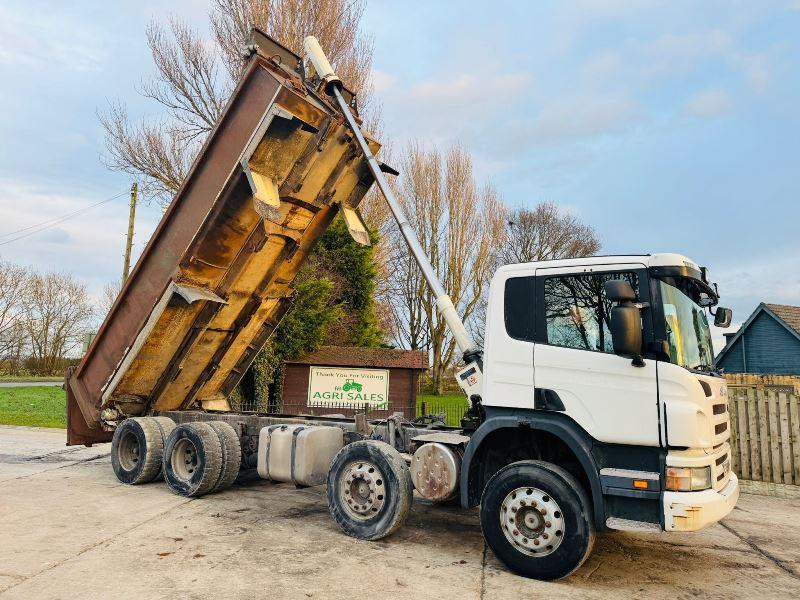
(668, 126)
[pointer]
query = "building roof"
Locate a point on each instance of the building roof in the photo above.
(788, 316)
(349, 356)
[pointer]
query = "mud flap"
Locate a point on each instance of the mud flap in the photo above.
(79, 433)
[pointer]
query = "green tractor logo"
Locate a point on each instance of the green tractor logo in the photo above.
(351, 385)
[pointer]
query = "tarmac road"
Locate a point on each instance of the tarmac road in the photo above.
(68, 529)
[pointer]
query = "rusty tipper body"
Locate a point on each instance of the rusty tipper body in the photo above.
(216, 277)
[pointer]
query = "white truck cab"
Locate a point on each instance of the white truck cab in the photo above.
(655, 427)
(594, 402)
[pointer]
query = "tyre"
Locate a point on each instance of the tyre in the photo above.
(137, 450)
(166, 425)
(231, 454)
(537, 520)
(192, 459)
(369, 490)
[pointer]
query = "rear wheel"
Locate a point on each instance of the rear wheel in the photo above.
(369, 490)
(137, 450)
(192, 459)
(231, 454)
(166, 425)
(537, 520)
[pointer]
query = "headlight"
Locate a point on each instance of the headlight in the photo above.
(688, 479)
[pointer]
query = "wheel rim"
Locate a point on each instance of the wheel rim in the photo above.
(129, 451)
(532, 521)
(184, 459)
(362, 490)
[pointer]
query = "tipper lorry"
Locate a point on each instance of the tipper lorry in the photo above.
(594, 405)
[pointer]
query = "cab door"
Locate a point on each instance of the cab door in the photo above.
(509, 343)
(613, 400)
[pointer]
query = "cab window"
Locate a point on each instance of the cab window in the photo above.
(518, 307)
(577, 311)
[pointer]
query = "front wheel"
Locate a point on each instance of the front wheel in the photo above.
(369, 490)
(537, 520)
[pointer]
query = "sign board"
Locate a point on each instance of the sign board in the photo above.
(345, 387)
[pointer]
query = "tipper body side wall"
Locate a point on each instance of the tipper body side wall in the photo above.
(216, 277)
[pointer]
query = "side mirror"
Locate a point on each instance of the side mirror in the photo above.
(723, 316)
(626, 332)
(619, 290)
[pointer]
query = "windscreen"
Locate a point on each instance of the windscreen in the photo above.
(688, 334)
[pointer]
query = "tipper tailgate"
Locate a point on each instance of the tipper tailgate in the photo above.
(216, 277)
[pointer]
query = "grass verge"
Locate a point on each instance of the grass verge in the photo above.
(35, 406)
(45, 406)
(453, 405)
(16, 378)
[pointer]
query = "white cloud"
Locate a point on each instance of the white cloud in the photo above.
(710, 103)
(31, 38)
(682, 53)
(581, 117)
(769, 277)
(601, 67)
(382, 81)
(690, 45)
(57, 235)
(465, 107)
(468, 88)
(755, 68)
(572, 19)
(90, 246)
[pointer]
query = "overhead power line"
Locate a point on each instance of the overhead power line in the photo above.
(50, 223)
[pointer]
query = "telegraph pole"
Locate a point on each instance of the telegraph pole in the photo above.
(129, 243)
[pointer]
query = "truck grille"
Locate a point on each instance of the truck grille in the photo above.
(719, 419)
(721, 469)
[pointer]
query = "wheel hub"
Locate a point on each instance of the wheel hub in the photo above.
(362, 489)
(184, 459)
(129, 451)
(532, 521)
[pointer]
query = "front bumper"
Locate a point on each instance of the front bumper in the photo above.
(691, 511)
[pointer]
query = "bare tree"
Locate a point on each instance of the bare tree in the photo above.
(545, 233)
(378, 217)
(460, 228)
(13, 287)
(335, 23)
(192, 90)
(57, 316)
(107, 298)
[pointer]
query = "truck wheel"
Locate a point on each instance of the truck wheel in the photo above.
(166, 425)
(537, 520)
(231, 454)
(369, 490)
(136, 450)
(192, 459)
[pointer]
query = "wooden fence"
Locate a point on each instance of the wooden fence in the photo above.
(765, 427)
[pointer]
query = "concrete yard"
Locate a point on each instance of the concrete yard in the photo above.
(68, 529)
